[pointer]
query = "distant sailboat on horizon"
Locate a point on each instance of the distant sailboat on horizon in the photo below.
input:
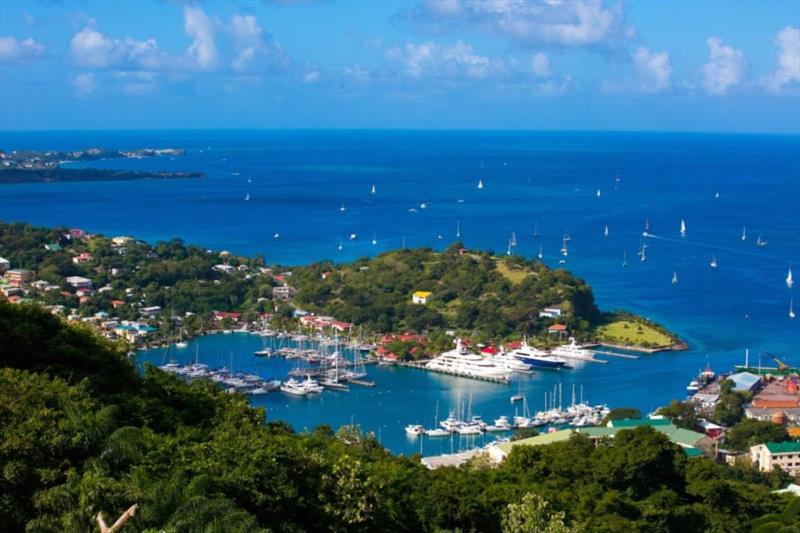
(744, 233)
(372, 191)
(374, 240)
(458, 229)
(675, 277)
(605, 231)
(247, 197)
(513, 239)
(713, 263)
(536, 229)
(342, 208)
(480, 184)
(791, 308)
(541, 255)
(340, 245)
(789, 278)
(760, 242)
(598, 193)
(646, 227)
(564, 250)
(683, 228)
(624, 259)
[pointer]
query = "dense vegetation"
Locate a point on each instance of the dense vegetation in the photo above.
(44, 175)
(468, 292)
(82, 432)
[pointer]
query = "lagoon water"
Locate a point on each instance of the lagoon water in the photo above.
(297, 181)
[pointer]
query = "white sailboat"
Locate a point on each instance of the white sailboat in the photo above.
(458, 229)
(535, 229)
(605, 231)
(744, 233)
(683, 228)
(374, 240)
(508, 251)
(342, 208)
(716, 195)
(598, 193)
(624, 259)
(564, 251)
(541, 255)
(480, 184)
(675, 277)
(713, 263)
(791, 308)
(513, 238)
(372, 191)
(276, 235)
(760, 242)
(646, 227)
(789, 279)
(247, 197)
(643, 253)
(340, 244)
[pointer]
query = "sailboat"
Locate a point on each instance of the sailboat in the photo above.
(643, 253)
(340, 244)
(675, 277)
(716, 195)
(374, 240)
(458, 230)
(508, 251)
(372, 191)
(605, 231)
(744, 233)
(480, 184)
(624, 259)
(598, 193)
(760, 242)
(713, 262)
(683, 228)
(646, 227)
(276, 236)
(513, 238)
(791, 308)
(564, 250)
(789, 279)
(342, 208)
(541, 255)
(535, 229)
(247, 197)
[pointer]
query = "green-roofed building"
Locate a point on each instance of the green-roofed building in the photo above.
(686, 439)
(785, 455)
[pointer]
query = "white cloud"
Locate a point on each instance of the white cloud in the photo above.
(431, 60)
(311, 76)
(576, 23)
(197, 25)
(91, 49)
(13, 50)
(788, 73)
(725, 67)
(540, 64)
(84, 84)
(654, 70)
(254, 47)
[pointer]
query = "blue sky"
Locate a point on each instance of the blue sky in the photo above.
(447, 64)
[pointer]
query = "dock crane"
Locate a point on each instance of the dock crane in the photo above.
(781, 365)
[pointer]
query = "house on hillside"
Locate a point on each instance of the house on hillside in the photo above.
(420, 297)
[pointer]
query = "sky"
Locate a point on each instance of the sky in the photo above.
(715, 66)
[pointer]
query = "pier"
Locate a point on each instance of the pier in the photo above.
(420, 365)
(614, 354)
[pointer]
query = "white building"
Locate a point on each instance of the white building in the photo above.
(79, 282)
(550, 312)
(5, 264)
(769, 455)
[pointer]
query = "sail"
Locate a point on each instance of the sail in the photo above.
(480, 184)
(683, 227)
(789, 279)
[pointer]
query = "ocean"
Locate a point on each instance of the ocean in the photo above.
(560, 182)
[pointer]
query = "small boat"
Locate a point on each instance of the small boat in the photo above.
(643, 254)
(605, 231)
(508, 251)
(353, 236)
(374, 240)
(789, 278)
(437, 432)
(480, 184)
(372, 191)
(540, 255)
(675, 277)
(293, 387)
(564, 251)
(791, 308)
(276, 236)
(760, 242)
(342, 208)
(181, 344)
(414, 430)
(683, 228)
(624, 259)
(598, 193)
(458, 230)
(247, 197)
(535, 229)
(423, 205)
(471, 429)
(513, 238)
(646, 227)
(744, 233)
(517, 398)
(713, 263)
(340, 245)
(266, 352)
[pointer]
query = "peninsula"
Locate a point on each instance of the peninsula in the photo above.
(27, 166)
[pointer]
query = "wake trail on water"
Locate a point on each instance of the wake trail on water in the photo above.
(716, 247)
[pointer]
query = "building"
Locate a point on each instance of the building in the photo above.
(225, 269)
(83, 258)
(222, 315)
(769, 455)
(18, 276)
(79, 282)
(283, 292)
(550, 312)
(778, 401)
(745, 381)
(320, 323)
(121, 240)
(420, 297)
(5, 264)
(150, 312)
(557, 329)
(52, 247)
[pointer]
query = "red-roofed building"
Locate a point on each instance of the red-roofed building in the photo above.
(83, 258)
(341, 326)
(557, 328)
(222, 315)
(15, 299)
(76, 233)
(66, 294)
(83, 299)
(116, 304)
(279, 278)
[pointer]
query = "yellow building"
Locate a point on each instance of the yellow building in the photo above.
(420, 297)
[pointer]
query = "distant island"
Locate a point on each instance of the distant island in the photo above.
(28, 166)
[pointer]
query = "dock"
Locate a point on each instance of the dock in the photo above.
(614, 354)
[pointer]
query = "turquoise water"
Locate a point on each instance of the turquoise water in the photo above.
(299, 179)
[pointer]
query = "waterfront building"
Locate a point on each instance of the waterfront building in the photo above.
(557, 329)
(18, 276)
(785, 455)
(745, 381)
(222, 315)
(420, 297)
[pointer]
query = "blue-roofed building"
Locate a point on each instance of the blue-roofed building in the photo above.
(745, 381)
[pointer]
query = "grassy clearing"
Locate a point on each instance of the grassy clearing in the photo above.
(514, 275)
(629, 332)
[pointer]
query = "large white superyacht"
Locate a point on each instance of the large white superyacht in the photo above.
(461, 362)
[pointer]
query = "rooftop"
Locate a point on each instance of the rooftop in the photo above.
(791, 446)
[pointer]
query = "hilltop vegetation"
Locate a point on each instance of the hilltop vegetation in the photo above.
(82, 432)
(475, 292)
